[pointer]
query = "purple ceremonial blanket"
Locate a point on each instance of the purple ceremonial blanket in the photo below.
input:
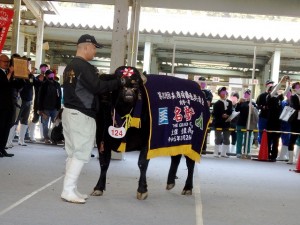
(179, 116)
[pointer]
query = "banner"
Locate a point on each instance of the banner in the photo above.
(6, 16)
(179, 117)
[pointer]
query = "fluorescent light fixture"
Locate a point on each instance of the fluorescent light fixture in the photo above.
(209, 63)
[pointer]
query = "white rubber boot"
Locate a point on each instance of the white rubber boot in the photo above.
(283, 153)
(84, 196)
(232, 149)
(11, 136)
(291, 157)
(70, 182)
(32, 131)
(297, 150)
(216, 151)
(23, 129)
(225, 149)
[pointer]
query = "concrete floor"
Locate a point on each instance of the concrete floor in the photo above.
(226, 191)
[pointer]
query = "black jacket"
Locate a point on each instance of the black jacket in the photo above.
(295, 103)
(49, 96)
(82, 84)
(262, 105)
(7, 88)
(218, 111)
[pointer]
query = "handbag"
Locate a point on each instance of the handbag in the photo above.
(288, 114)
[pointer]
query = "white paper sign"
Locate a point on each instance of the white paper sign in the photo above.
(116, 132)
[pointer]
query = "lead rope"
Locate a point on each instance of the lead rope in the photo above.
(127, 122)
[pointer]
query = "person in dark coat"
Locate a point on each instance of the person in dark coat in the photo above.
(222, 109)
(295, 124)
(273, 122)
(208, 97)
(7, 85)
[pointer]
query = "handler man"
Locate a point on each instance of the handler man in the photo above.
(81, 85)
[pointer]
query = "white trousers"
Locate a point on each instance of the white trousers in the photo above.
(79, 132)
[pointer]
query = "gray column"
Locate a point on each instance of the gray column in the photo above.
(154, 65)
(21, 45)
(16, 27)
(119, 34)
(147, 56)
(133, 42)
(275, 66)
(28, 46)
(39, 43)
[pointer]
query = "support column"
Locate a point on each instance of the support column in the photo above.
(39, 43)
(147, 56)
(16, 27)
(275, 66)
(28, 46)
(21, 45)
(133, 43)
(119, 34)
(154, 65)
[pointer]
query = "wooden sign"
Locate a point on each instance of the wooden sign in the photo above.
(21, 68)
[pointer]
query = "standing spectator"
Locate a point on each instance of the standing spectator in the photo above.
(36, 117)
(295, 124)
(222, 109)
(81, 85)
(273, 123)
(285, 126)
(26, 94)
(7, 85)
(234, 98)
(49, 102)
(208, 97)
(243, 108)
(262, 106)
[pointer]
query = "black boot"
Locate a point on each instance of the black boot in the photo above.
(5, 154)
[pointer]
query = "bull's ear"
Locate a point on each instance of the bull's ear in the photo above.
(144, 78)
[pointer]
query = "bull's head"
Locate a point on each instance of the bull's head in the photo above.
(130, 91)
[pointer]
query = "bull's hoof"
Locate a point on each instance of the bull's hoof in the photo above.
(187, 192)
(141, 196)
(170, 186)
(97, 193)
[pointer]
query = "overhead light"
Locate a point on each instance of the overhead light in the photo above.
(209, 63)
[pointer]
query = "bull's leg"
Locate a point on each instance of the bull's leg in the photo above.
(187, 190)
(142, 191)
(175, 160)
(104, 160)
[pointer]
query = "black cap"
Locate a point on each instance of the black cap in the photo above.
(43, 65)
(221, 89)
(48, 72)
(248, 91)
(86, 38)
(269, 82)
(202, 79)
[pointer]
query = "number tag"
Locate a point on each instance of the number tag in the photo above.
(116, 132)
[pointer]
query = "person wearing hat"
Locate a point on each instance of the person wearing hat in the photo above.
(208, 97)
(36, 117)
(81, 86)
(261, 103)
(49, 102)
(243, 108)
(273, 122)
(222, 109)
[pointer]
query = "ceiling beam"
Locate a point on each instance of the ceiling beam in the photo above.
(34, 8)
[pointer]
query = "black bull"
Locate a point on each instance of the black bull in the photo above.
(136, 139)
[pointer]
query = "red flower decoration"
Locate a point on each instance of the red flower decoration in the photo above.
(127, 72)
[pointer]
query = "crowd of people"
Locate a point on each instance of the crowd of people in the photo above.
(230, 118)
(26, 101)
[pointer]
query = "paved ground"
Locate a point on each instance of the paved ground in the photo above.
(226, 191)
